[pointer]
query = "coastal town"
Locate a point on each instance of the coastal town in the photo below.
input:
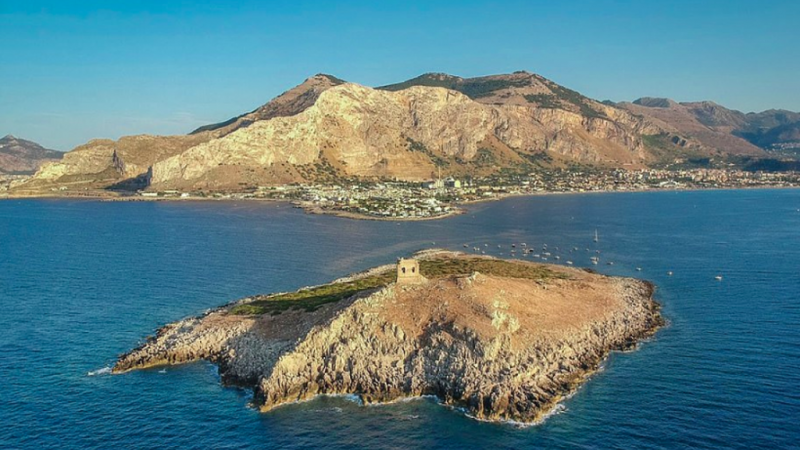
(441, 197)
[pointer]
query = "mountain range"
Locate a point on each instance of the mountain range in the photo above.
(329, 130)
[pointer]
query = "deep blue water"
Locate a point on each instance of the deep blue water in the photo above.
(82, 281)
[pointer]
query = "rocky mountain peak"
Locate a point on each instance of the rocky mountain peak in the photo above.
(289, 103)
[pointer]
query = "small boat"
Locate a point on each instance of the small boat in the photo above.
(594, 261)
(610, 263)
(558, 257)
(638, 269)
(466, 246)
(596, 237)
(569, 263)
(669, 273)
(718, 277)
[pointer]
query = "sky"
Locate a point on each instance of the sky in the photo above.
(73, 71)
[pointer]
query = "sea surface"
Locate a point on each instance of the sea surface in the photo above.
(83, 281)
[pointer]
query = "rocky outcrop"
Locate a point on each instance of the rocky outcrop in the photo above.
(102, 162)
(503, 348)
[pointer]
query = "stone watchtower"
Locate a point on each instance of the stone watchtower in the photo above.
(408, 271)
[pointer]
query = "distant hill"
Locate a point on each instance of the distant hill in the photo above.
(21, 157)
(718, 127)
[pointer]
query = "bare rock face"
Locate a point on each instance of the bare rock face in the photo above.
(406, 134)
(101, 163)
(291, 102)
(503, 348)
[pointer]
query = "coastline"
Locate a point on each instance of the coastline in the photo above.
(459, 208)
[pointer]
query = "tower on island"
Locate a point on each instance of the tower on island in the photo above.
(408, 271)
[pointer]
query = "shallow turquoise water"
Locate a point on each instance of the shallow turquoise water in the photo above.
(82, 281)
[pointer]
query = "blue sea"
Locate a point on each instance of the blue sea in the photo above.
(83, 281)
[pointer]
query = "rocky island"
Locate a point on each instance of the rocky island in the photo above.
(502, 339)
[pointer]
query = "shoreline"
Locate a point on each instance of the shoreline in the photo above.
(459, 208)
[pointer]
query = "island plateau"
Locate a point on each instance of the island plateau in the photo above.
(503, 340)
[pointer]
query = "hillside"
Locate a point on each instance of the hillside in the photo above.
(21, 157)
(720, 128)
(354, 131)
(124, 164)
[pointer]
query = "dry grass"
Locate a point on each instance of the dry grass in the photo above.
(311, 299)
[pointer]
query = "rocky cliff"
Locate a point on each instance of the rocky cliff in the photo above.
(505, 344)
(124, 164)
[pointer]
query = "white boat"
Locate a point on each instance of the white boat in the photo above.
(569, 263)
(596, 237)
(638, 269)
(718, 277)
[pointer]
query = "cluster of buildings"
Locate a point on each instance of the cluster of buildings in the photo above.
(7, 181)
(408, 200)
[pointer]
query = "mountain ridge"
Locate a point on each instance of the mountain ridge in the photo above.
(328, 130)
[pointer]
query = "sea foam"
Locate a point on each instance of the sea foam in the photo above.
(104, 371)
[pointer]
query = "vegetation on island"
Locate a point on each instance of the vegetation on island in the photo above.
(311, 299)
